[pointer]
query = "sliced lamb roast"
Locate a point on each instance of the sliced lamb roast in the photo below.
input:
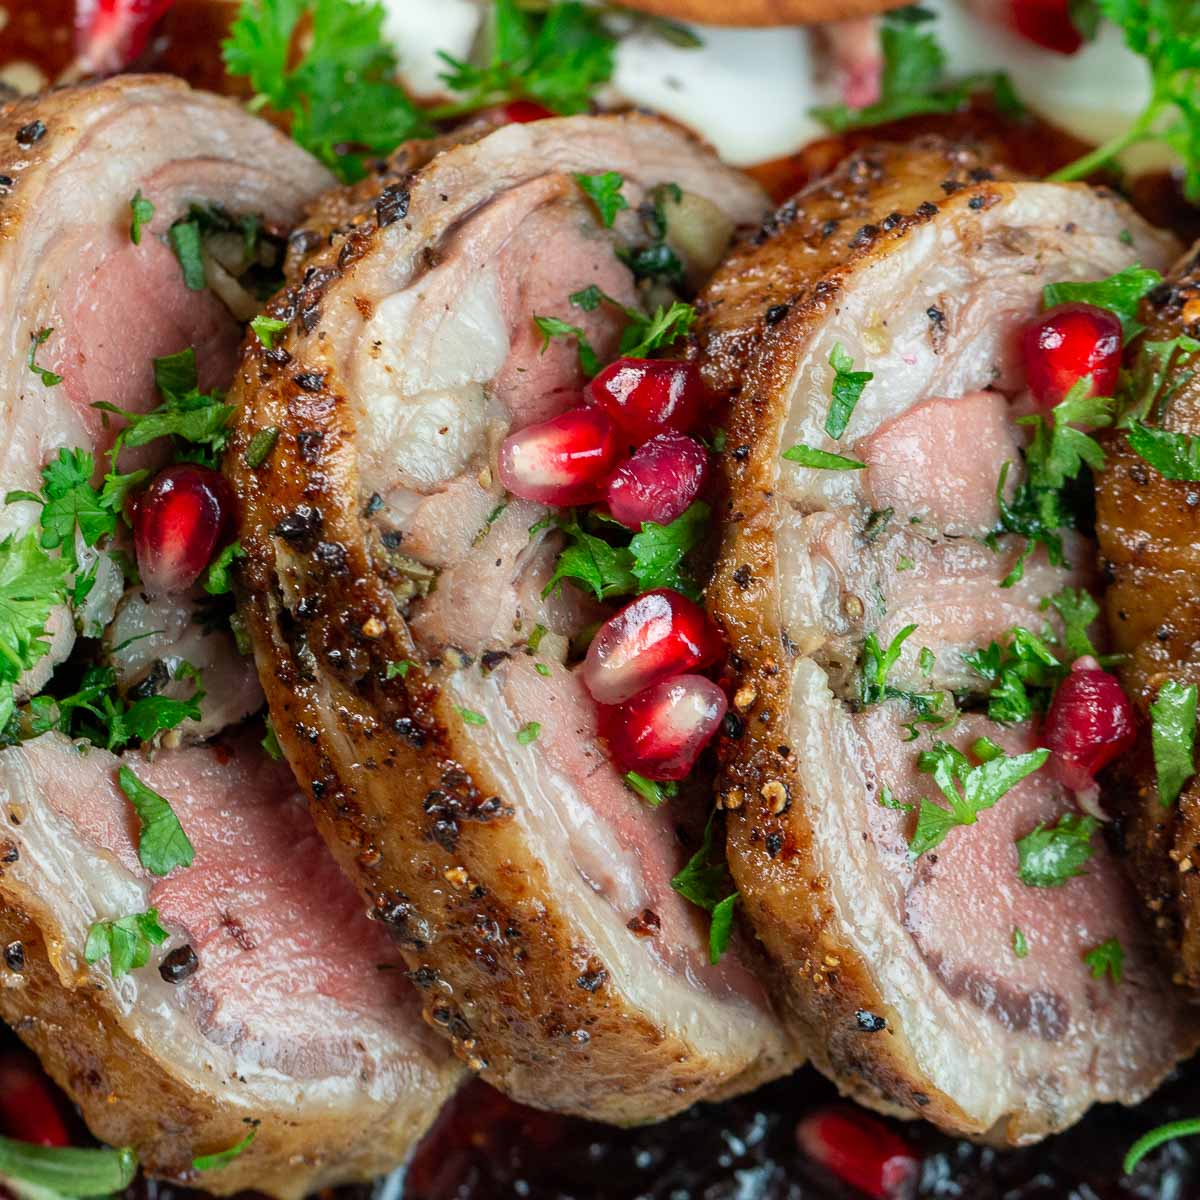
(272, 1001)
(86, 307)
(415, 672)
(937, 983)
(1148, 526)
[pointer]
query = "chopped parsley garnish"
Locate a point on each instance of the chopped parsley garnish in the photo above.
(265, 328)
(141, 212)
(604, 191)
(1077, 609)
(555, 53)
(1166, 34)
(125, 942)
(848, 385)
(1173, 738)
(643, 333)
(650, 790)
(216, 579)
(1120, 294)
(592, 563)
(260, 447)
(397, 669)
(913, 81)
(162, 843)
(337, 83)
(1108, 958)
(810, 456)
(222, 1158)
(1020, 943)
(270, 742)
(1189, 1127)
(185, 240)
(875, 665)
(528, 733)
(705, 882)
(470, 716)
(1050, 855)
(886, 799)
(968, 789)
(67, 1170)
(660, 550)
(48, 378)
(1172, 455)
(552, 327)
(1158, 371)
(1023, 674)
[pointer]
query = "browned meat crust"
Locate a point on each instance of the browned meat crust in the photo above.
(1149, 533)
(760, 12)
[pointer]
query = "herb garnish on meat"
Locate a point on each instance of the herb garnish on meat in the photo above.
(846, 391)
(604, 191)
(162, 843)
(222, 1158)
(125, 942)
(68, 1170)
(706, 882)
(1108, 958)
(1048, 856)
(1173, 738)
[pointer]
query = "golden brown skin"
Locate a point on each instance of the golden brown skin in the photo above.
(760, 12)
(1148, 528)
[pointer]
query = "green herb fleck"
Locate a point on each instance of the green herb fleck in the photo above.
(1049, 856)
(810, 456)
(848, 385)
(48, 378)
(528, 733)
(1108, 958)
(470, 716)
(604, 191)
(222, 1158)
(1189, 1127)
(216, 579)
(1173, 738)
(265, 328)
(705, 882)
(653, 792)
(141, 213)
(260, 447)
(125, 942)
(1020, 943)
(162, 844)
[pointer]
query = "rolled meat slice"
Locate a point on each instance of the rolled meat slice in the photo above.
(1148, 528)
(938, 983)
(273, 1005)
(414, 666)
(84, 307)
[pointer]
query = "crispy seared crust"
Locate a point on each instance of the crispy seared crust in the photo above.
(129, 1099)
(1148, 528)
(415, 823)
(760, 12)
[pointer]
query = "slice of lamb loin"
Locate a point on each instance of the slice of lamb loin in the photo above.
(71, 162)
(298, 1015)
(922, 262)
(525, 883)
(1148, 528)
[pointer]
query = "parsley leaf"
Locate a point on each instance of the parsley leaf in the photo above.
(184, 239)
(659, 550)
(705, 882)
(162, 844)
(1173, 738)
(557, 54)
(653, 792)
(552, 327)
(1120, 294)
(601, 568)
(528, 733)
(1172, 455)
(848, 385)
(48, 378)
(1049, 856)
(265, 328)
(1077, 609)
(216, 578)
(340, 90)
(222, 1158)
(470, 716)
(604, 191)
(125, 942)
(1023, 673)
(260, 447)
(141, 212)
(969, 789)
(1166, 33)
(810, 456)
(1108, 958)
(1020, 943)
(31, 584)
(661, 329)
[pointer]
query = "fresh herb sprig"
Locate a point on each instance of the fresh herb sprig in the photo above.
(705, 881)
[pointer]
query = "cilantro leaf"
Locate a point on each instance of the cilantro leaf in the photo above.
(552, 327)
(848, 385)
(968, 789)
(48, 378)
(340, 90)
(557, 54)
(1023, 673)
(1158, 371)
(659, 550)
(141, 212)
(1120, 294)
(222, 1158)
(1173, 738)
(125, 942)
(810, 456)
(260, 447)
(162, 843)
(604, 191)
(1049, 856)
(1108, 958)
(705, 882)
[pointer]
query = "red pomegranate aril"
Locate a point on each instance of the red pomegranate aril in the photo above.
(566, 460)
(1089, 723)
(860, 1151)
(29, 1110)
(1067, 343)
(648, 396)
(110, 34)
(656, 636)
(1046, 23)
(658, 481)
(661, 731)
(521, 112)
(178, 523)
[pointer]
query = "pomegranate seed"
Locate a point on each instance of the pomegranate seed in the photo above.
(110, 34)
(566, 460)
(178, 524)
(661, 731)
(521, 112)
(1089, 723)
(29, 1109)
(658, 482)
(1046, 23)
(860, 1151)
(1067, 343)
(654, 637)
(648, 396)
